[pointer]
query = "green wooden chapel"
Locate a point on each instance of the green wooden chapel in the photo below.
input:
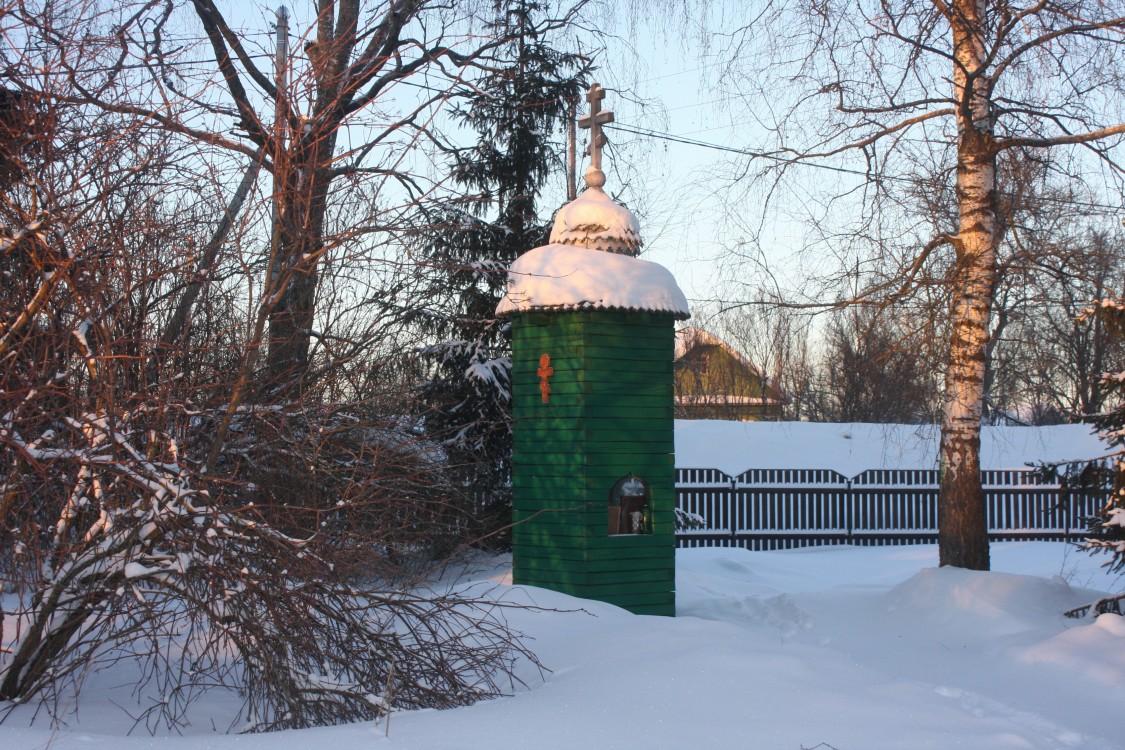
(592, 398)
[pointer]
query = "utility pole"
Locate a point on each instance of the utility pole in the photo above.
(256, 323)
(572, 152)
(280, 117)
(281, 74)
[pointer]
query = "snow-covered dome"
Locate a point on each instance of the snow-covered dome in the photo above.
(564, 277)
(594, 221)
(592, 263)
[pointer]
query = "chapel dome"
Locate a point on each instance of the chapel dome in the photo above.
(595, 222)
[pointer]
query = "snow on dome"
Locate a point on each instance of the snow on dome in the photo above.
(594, 221)
(562, 277)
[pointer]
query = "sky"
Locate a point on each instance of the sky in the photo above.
(671, 148)
(654, 86)
(658, 88)
(671, 139)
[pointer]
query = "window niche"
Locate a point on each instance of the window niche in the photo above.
(629, 507)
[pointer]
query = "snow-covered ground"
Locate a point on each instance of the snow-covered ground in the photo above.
(734, 447)
(848, 648)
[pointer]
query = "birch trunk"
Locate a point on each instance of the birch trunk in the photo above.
(962, 526)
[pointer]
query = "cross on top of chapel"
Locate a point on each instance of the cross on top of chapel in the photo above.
(593, 121)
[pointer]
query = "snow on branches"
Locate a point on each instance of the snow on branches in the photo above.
(1107, 529)
(143, 562)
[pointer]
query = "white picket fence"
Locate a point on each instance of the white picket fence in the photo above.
(765, 509)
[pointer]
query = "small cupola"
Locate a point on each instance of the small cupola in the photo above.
(593, 220)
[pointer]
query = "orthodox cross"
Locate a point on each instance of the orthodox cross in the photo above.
(545, 371)
(595, 177)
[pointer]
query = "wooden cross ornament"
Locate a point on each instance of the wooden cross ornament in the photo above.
(593, 122)
(544, 372)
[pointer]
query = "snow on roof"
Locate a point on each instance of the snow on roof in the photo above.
(689, 337)
(594, 221)
(562, 277)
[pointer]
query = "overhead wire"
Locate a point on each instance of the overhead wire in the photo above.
(757, 154)
(652, 133)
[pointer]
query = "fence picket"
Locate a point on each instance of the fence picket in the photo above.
(784, 508)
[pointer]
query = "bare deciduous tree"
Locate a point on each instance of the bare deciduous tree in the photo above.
(875, 369)
(951, 88)
(143, 499)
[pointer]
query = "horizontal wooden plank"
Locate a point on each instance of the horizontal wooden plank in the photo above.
(573, 589)
(550, 462)
(572, 534)
(593, 537)
(533, 558)
(592, 404)
(596, 539)
(652, 578)
(653, 385)
(571, 320)
(551, 509)
(632, 559)
(530, 413)
(530, 550)
(547, 509)
(539, 557)
(610, 387)
(530, 498)
(577, 531)
(642, 419)
(548, 535)
(633, 592)
(653, 442)
(616, 434)
(619, 544)
(600, 564)
(593, 485)
(652, 451)
(622, 360)
(639, 426)
(663, 609)
(597, 337)
(559, 571)
(559, 472)
(624, 346)
(593, 526)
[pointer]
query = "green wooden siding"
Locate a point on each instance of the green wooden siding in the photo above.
(609, 414)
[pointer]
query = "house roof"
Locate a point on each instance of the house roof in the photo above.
(689, 338)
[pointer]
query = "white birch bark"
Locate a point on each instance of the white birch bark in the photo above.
(963, 531)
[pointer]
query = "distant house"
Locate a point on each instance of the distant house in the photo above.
(714, 381)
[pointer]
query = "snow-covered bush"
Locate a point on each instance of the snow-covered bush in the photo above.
(143, 562)
(158, 505)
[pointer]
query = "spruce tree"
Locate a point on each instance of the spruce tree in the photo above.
(517, 110)
(1107, 528)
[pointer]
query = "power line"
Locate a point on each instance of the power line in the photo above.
(673, 138)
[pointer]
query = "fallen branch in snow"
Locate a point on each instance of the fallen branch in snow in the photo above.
(1106, 605)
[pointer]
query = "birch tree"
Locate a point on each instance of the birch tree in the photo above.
(952, 89)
